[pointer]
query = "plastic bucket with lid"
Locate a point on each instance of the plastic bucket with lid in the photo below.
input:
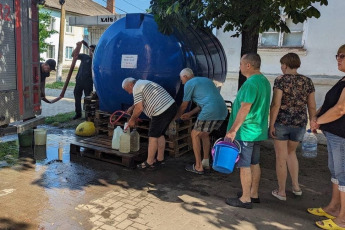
(225, 155)
(40, 136)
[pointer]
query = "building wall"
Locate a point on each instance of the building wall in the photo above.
(323, 37)
(70, 38)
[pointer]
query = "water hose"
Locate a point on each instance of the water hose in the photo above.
(122, 114)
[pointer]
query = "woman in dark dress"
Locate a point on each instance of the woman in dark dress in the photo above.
(330, 119)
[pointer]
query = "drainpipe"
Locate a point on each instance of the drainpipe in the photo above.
(61, 41)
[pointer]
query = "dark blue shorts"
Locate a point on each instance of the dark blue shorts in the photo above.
(292, 133)
(250, 154)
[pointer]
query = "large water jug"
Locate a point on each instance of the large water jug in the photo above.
(125, 140)
(309, 145)
(115, 143)
(135, 141)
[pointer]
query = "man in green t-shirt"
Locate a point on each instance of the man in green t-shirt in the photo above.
(248, 124)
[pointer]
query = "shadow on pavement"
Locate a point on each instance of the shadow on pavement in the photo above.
(8, 224)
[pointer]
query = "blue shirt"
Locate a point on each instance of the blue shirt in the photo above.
(205, 94)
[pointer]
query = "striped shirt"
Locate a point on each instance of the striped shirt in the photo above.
(154, 97)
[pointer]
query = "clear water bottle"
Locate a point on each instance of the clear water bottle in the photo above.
(135, 141)
(115, 143)
(309, 145)
(125, 140)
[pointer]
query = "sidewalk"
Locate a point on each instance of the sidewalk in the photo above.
(65, 105)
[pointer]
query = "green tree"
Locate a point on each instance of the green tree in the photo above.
(246, 17)
(44, 31)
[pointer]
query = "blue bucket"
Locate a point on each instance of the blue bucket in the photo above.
(225, 156)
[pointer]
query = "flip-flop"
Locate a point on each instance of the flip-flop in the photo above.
(191, 168)
(328, 225)
(320, 212)
(276, 195)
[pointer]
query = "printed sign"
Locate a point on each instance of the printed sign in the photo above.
(107, 19)
(129, 61)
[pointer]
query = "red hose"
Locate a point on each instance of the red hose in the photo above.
(122, 114)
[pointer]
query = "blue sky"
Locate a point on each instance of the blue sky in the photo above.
(128, 6)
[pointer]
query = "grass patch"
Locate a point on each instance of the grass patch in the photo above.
(9, 152)
(63, 121)
(58, 85)
(60, 118)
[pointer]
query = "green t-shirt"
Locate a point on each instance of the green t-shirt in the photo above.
(257, 91)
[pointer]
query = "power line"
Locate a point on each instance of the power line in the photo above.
(133, 5)
(117, 8)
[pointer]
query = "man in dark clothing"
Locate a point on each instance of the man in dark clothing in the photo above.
(84, 80)
(45, 69)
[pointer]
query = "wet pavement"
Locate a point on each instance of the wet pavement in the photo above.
(47, 188)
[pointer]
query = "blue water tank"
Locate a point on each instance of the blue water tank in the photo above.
(133, 47)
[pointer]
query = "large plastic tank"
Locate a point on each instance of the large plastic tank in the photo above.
(133, 47)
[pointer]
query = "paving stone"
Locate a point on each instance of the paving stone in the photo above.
(124, 224)
(117, 204)
(140, 220)
(128, 206)
(109, 227)
(94, 218)
(118, 211)
(131, 228)
(121, 217)
(140, 226)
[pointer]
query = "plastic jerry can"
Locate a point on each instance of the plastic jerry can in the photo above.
(115, 143)
(135, 141)
(125, 140)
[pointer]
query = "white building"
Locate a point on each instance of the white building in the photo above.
(72, 34)
(316, 41)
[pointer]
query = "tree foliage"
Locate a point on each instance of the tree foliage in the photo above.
(44, 31)
(245, 17)
(232, 15)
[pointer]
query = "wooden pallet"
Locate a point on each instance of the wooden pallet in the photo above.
(177, 144)
(91, 104)
(99, 147)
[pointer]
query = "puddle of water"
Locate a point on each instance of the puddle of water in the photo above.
(56, 149)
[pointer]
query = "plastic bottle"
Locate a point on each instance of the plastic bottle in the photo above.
(125, 140)
(115, 143)
(171, 129)
(135, 141)
(309, 145)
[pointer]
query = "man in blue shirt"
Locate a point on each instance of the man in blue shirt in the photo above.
(212, 112)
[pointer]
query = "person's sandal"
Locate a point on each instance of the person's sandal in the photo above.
(145, 165)
(191, 168)
(159, 163)
(297, 193)
(276, 195)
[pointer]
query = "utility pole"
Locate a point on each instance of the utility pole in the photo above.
(61, 41)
